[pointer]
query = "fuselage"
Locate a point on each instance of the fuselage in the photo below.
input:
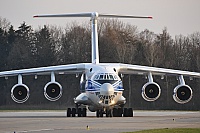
(102, 87)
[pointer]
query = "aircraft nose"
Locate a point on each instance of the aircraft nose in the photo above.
(107, 89)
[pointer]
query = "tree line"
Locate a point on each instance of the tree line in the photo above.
(47, 45)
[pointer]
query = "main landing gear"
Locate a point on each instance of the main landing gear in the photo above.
(73, 112)
(116, 112)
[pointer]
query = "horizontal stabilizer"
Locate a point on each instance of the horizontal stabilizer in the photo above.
(93, 14)
(123, 16)
(65, 15)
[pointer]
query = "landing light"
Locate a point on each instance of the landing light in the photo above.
(112, 102)
(100, 101)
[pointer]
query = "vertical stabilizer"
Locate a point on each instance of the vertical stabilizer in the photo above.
(94, 40)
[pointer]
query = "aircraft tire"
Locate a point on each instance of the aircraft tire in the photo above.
(115, 112)
(119, 112)
(125, 113)
(97, 113)
(79, 112)
(73, 112)
(111, 113)
(69, 112)
(101, 113)
(130, 112)
(107, 113)
(84, 112)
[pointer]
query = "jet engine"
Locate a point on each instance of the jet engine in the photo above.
(182, 94)
(151, 91)
(53, 90)
(20, 93)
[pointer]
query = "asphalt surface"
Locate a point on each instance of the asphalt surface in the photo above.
(57, 122)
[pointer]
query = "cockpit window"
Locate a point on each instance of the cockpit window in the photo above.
(105, 78)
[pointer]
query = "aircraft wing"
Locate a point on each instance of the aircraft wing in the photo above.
(60, 69)
(144, 70)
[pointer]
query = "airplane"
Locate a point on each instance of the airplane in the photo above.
(101, 87)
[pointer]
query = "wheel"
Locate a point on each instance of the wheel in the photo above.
(69, 112)
(73, 112)
(107, 113)
(79, 112)
(111, 113)
(130, 112)
(97, 113)
(119, 112)
(101, 113)
(125, 113)
(115, 112)
(84, 112)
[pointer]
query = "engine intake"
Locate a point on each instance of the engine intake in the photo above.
(151, 91)
(53, 91)
(182, 94)
(20, 93)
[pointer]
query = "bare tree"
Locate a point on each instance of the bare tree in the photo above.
(151, 49)
(76, 44)
(4, 23)
(165, 49)
(122, 38)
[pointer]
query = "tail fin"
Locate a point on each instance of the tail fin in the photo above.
(94, 35)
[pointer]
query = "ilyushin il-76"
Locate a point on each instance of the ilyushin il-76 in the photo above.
(101, 87)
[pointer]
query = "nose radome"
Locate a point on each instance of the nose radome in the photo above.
(107, 89)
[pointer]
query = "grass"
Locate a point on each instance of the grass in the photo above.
(170, 130)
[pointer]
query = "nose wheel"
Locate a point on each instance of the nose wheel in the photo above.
(108, 113)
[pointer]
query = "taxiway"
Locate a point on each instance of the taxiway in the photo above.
(57, 122)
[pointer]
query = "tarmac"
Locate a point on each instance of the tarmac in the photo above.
(57, 122)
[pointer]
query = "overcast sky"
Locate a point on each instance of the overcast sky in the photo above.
(179, 16)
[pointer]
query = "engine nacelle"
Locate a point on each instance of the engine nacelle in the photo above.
(20, 93)
(182, 94)
(151, 91)
(53, 91)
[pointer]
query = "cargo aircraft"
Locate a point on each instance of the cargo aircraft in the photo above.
(101, 88)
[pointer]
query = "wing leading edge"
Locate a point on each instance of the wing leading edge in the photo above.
(144, 70)
(60, 69)
(126, 68)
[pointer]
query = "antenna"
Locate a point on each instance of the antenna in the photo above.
(94, 35)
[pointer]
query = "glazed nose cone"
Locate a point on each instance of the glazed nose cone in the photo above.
(107, 89)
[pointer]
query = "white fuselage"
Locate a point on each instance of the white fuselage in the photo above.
(103, 88)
